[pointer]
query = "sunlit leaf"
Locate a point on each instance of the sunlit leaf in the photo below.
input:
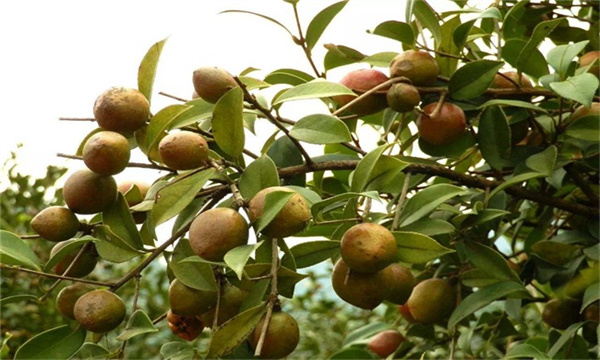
(426, 201)
(580, 88)
(417, 248)
(139, 323)
(396, 30)
(147, 69)
(319, 23)
(196, 275)
(237, 258)
(312, 90)
(14, 251)
(233, 332)
(321, 129)
(260, 174)
(228, 122)
(313, 252)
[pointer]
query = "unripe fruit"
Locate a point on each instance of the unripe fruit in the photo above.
(183, 150)
(431, 301)
(560, 314)
(281, 338)
(187, 301)
(403, 97)
(99, 311)
(501, 82)
(445, 127)
(385, 343)
(211, 83)
(231, 302)
(361, 81)
(82, 267)
(120, 109)
(365, 291)
(418, 66)
(186, 327)
(400, 283)
(582, 111)
(291, 219)
(590, 58)
(368, 247)
(106, 153)
(55, 223)
(216, 231)
(86, 192)
(68, 296)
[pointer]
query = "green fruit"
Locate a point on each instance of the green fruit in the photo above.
(365, 291)
(211, 83)
(560, 314)
(106, 153)
(361, 81)
(99, 311)
(368, 247)
(216, 231)
(120, 109)
(183, 150)
(400, 283)
(82, 267)
(187, 301)
(445, 127)
(431, 301)
(385, 343)
(418, 66)
(291, 219)
(231, 302)
(66, 298)
(86, 192)
(55, 223)
(281, 338)
(403, 97)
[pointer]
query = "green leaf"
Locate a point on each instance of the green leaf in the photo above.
(119, 219)
(286, 278)
(68, 246)
(580, 88)
(340, 55)
(513, 103)
(396, 30)
(318, 88)
(425, 14)
(260, 174)
(314, 252)
(352, 353)
(160, 123)
(177, 350)
(237, 258)
(494, 137)
(426, 201)
(319, 23)
(543, 162)
(90, 351)
(14, 251)
(482, 298)
(592, 294)
(178, 194)
(274, 202)
(252, 83)
(566, 336)
(536, 66)
(514, 181)
(58, 343)
(528, 53)
(417, 248)
(321, 129)
(382, 59)
(233, 332)
(585, 128)
(111, 247)
(321, 206)
(139, 323)
(288, 76)
(473, 79)
(488, 260)
(147, 69)
(228, 122)
(196, 275)
(198, 109)
(261, 16)
(554, 252)
(446, 45)
(362, 173)
(561, 57)
(364, 332)
(429, 227)
(525, 351)
(461, 33)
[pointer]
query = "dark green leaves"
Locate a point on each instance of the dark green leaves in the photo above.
(14, 251)
(139, 323)
(585, 128)
(228, 122)
(580, 88)
(473, 79)
(260, 174)
(494, 137)
(321, 129)
(232, 333)
(58, 343)
(528, 53)
(427, 200)
(147, 69)
(320, 22)
(288, 76)
(489, 261)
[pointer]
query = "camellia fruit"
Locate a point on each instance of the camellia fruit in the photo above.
(143, 187)
(84, 265)
(400, 283)
(385, 343)
(55, 223)
(403, 97)
(120, 109)
(282, 336)
(231, 302)
(501, 82)
(216, 231)
(431, 301)
(561, 313)
(106, 153)
(99, 311)
(211, 83)
(183, 150)
(444, 127)
(68, 296)
(418, 66)
(582, 111)
(365, 291)
(361, 81)
(187, 301)
(186, 327)
(368, 247)
(86, 192)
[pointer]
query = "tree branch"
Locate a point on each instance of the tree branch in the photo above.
(54, 276)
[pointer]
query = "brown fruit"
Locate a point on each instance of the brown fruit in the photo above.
(445, 127)
(216, 231)
(365, 291)
(55, 223)
(291, 219)
(518, 131)
(186, 327)
(120, 109)
(187, 301)
(591, 58)
(211, 83)
(143, 187)
(560, 314)
(361, 81)
(281, 338)
(403, 97)
(405, 311)
(400, 283)
(418, 66)
(368, 248)
(82, 267)
(106, 153)
(501, 82)
(385, 343)
(592, 313)
(183, 150)
(232, 299)
(86, 192)
(582, 111)
(99, 311)
(431, 301)
(66, 298)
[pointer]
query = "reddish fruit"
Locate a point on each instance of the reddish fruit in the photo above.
(385, 343)
(501, 82)
(444, 127)
(186, 327)
(418, 66)
(590, 58)
(405, 311)
(361, 81)
(368, 247)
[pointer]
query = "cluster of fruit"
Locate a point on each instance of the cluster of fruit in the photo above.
(562, 313)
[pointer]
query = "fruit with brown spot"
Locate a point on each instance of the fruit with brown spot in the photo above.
(431, 301)
(281, 339)
(99, 311)
(216, 231)
(444, 127)
(106, 153)
(385, 343)
(82, 267)
(211, 83)
(360, 81)
(368, 247)
(291, 219)
(121, 109)
(418, 66)
(86, 192)
(403, 97)
(183, 150)
(365, 291)
(68, 296)
(186, 327)
(55, 223)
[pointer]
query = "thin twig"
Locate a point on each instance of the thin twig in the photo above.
(75, 119)
(54, 276)
(173, 97)
(302, 43)
(361, 97)
(401, 200)
(272, 295)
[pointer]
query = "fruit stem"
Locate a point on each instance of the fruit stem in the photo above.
(272, 295)
(362, 96)
(54, 276)
(438, 106)
(401, 200)
(173, 97)
(302, 43)
(75, 119)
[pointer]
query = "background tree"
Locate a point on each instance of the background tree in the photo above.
(471, 215)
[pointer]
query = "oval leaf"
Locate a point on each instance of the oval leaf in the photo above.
(396, 30)
(494, 137)
(312, 90)
(288, 76)
(237, 258)
(489, 261)
(417, 248)
(159, 124)
(321, 129)
(473, 79)
(319, 23)
(119, 219)
(147, 69)
(139, 323)
(14, 251)
(58, 343)
(427, 200)
(580, 88)
(228, 122)
(260, 174)
(313, 252)
(233, 332)
(197, 275)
